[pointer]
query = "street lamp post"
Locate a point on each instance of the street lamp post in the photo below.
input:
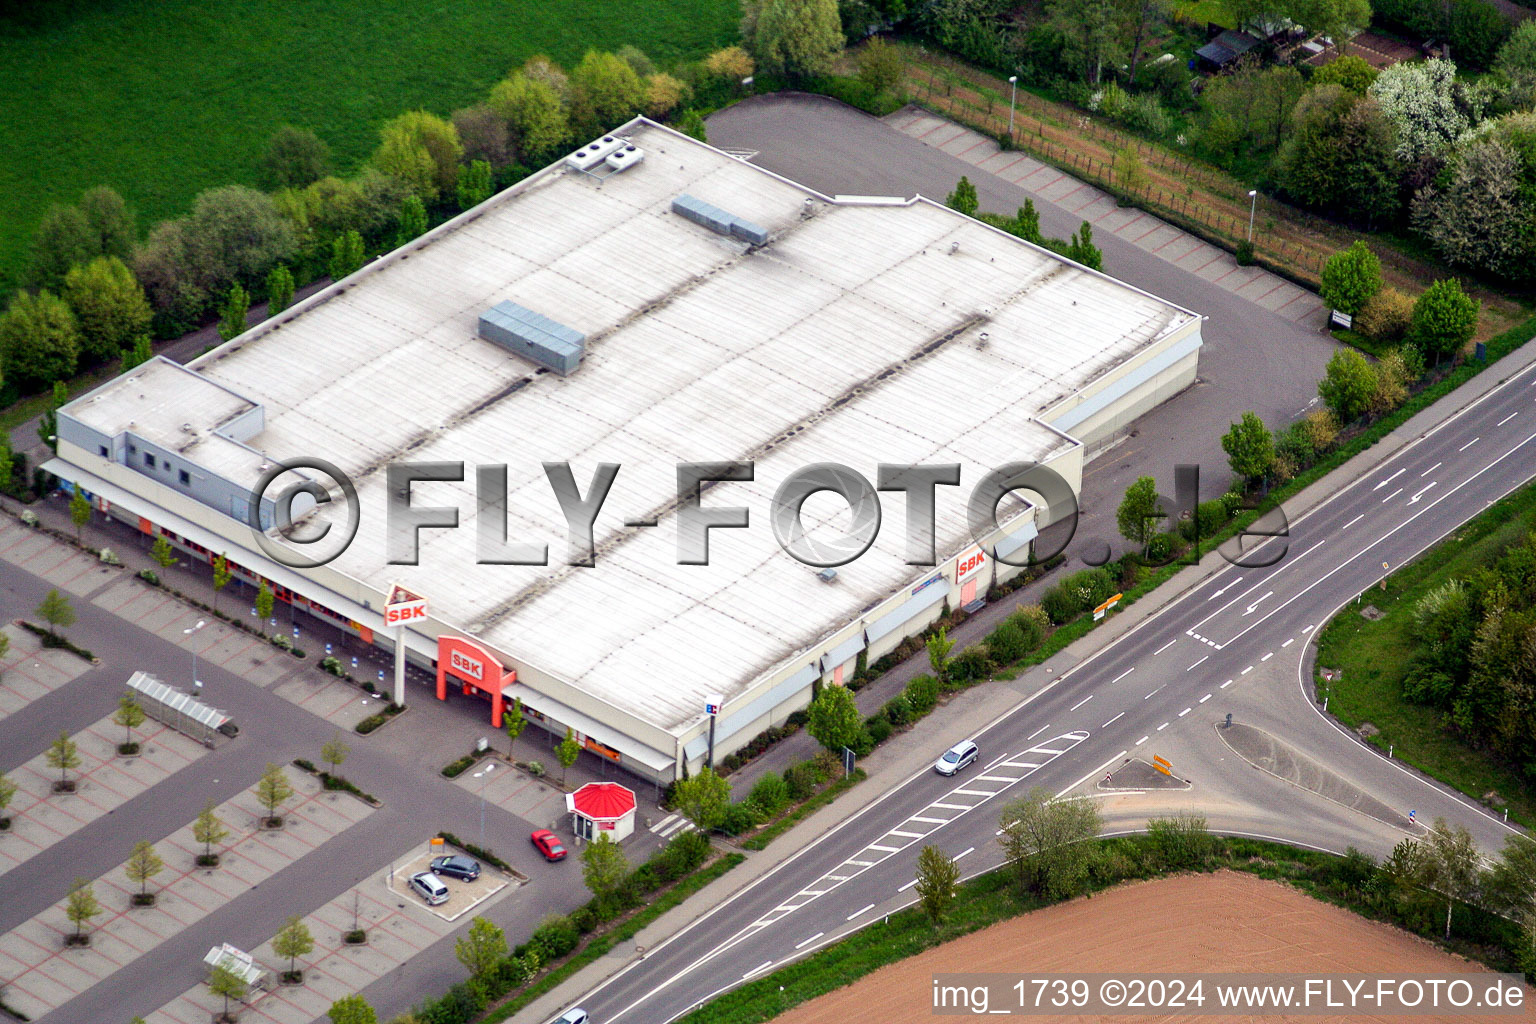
(486, 771)
(197, 684)
(1013, 80)
(1253, 205)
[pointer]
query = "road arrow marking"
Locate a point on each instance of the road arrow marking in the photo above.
(1416, 497)
(1389, 479)
(1258, 602)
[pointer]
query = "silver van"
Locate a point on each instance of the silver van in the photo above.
(429, 887)
(957, 757)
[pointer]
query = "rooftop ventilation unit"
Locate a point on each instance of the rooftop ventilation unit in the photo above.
(522, 331)
(594, 153)
(624, 158)
(719, 221)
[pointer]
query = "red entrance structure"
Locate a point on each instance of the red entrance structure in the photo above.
(475, 668)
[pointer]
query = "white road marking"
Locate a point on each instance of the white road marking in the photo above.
(1165, 646)
(1142, 740)
(910, 884)
(1226, 684)
(863, 863)
(872, 846)
(760, 967)
(1202, 700)
(1197, 664)
(1307, 628)
(926, 821)
(1469, 444)
(976, 792)
(1161, 727)
(1115, 719)
(1010, 779)
(1389, 479)
(1011, 764)
(1416, 497)
(1353, 521)
(1392, 495)
(1288, 643)
(1430, 470)
(962, 853)
(1185, 712)
(1246, 670)
(904, 835)
(833, 878)
(1090, 775)
(1122, 675)
(1506, 419)
(1037, 732)
(1266, 657)
(1226, 588)
(813, 938)
(1080, 703)
(1044, 750)
(1255, 604)
(956, 807)
(1149, 696)
(861, 910)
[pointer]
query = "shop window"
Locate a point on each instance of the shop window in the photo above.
(149, 459)
(104, 453)
(184, 477)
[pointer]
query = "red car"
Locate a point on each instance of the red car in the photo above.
(547, 843)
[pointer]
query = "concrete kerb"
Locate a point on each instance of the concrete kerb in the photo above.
(889, 766)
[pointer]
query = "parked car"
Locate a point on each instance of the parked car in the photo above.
(462, 868)
(957, 757)
(576, 1016)
(429, 887)
(547, 843)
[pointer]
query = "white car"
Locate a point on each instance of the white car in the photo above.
(576, 1016)
(429, 887)
(957, 757)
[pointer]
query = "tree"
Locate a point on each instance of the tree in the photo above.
(1258, 98)
(537, 116)
(279, 289)
(664, 94)
(731, 64)
(939, 646)
(963, 198)
(142, 865)
(796, 38)
(1485, 183)
(353, 1009)
(1339, 20)
(56, 610)
(1046, 842)
(139, 353)
(63, 238)
(567, 753)
(702, 799)
(163, 554)
(483, 134)
(130, 716)
(273, 789)
(1516, 63)
(264, 601)
(937, 877)
(1143, 14)
(1511, 884)
(224, 982)
(48, 422)
(221, 577)
(474, 184)
(347, 255)
(605, 92)
(208, 829)
(7, 794)
(7, 470)
(514, 722)
(1444, 319)
(293, 940)
(1130, 172)
(482, 948)
(334, 752)
(1392, 377)
(1341, 156)
(110, 222)
(1354, 74)
(1419, 98)
(1351, 277)
(295, 157)
(1139, 511)
(603, 866)
(880, 65)
(692, 125)
(413, 220)
(422, 151)
(39, 339)
(1250, 447)
(1450, 865)
(833, 719)
(1347, 385)
(111, 310)
(79, 511)
(1095, 29)
(80, 906)
(233, 313)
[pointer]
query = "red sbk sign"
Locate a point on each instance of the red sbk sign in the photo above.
(969, 563)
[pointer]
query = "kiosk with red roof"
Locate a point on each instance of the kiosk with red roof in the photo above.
(602, 808)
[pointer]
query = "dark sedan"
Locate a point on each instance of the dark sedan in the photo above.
(456, 867)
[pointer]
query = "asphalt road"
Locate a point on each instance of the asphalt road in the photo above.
(1252, 359)
(1237, 643)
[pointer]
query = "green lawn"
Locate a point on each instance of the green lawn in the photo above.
(164, 98)
(1373, 656)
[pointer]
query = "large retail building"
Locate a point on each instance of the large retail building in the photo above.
(648, 302)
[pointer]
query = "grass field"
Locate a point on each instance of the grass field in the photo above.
(164, 98)
(1373, 658)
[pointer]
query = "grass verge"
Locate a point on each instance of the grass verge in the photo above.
(805, 810)
(1370, 654)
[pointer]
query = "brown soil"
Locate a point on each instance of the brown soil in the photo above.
(1226, 922)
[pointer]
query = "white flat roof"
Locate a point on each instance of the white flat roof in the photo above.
(861, 333)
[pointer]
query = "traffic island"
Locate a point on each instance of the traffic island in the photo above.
(1270, 755)
(463, 896)
(1140, 776)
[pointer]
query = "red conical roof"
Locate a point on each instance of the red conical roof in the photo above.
(603, 800)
